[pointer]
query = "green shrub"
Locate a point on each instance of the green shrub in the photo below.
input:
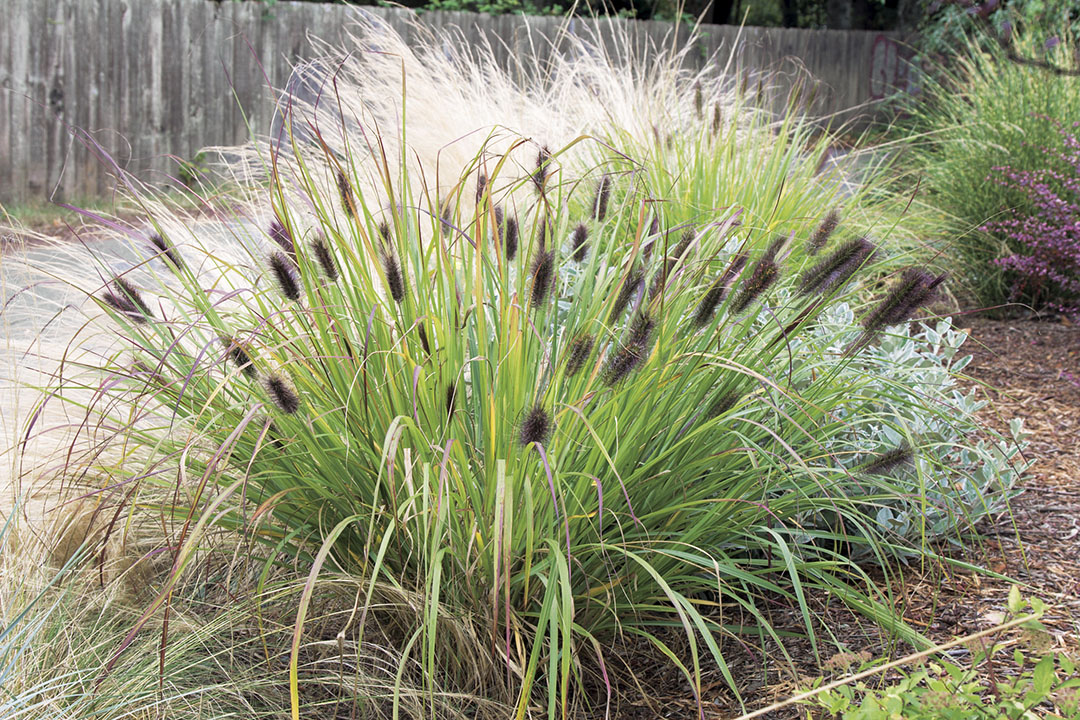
(539, 398)
(981, 112)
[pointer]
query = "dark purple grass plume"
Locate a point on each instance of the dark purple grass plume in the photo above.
(423, 338)
(282, 393)
(660, 280)
(540, 175)
(239, 356)
(451, 400)
(578, 353)
(838, 267)
(603, 195)
(281, 236)
(626, 293)
(718, 290)
(717, 119)
(543, 275)
(348, 200)
(325, 258)
(509, 231)
(125, 299)
(535, 426)
(633, 352)
(481, 186)
(285, 276)
(722, 404)
(762, 276)
(888, 461)
(821, 234)
(168, 251)
(579, 242)
(915, 288)
(395, 281)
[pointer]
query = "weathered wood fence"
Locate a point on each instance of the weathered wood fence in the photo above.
(150, 79)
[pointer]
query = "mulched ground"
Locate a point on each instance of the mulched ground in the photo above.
(1027, 369)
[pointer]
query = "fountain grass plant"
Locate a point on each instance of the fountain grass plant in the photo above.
(524, 399)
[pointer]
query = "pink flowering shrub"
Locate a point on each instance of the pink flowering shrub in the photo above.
(1044, 236)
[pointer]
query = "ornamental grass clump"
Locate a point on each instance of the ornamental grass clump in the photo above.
(515, 459)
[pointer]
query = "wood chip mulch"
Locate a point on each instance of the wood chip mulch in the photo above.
(1027, 369)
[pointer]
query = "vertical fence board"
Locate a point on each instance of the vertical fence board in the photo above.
(149, 79)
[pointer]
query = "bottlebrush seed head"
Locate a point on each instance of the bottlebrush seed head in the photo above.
(722, 404)
(541, 234)
(395, 281)
(348, 200)
(540, 175)
(821, 235)
(325, 258)
(451, 400)
(543, 274)
(699, 101)
(578, 353)
(717, 118)
(626, 294)
(126, 300)
(708, 303)
(168, 251)
(280, 235)
(423, 338)
(640, 333)
(888, 461)
(239, 355)
(286, 278)
(764, 274)
(633, 352)
(384, 233)
(580, 243)
(914, 288)
(837, 268)
(600, 201)
(481, 186)
(510, 237)
(282, 393)
(535, 427)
